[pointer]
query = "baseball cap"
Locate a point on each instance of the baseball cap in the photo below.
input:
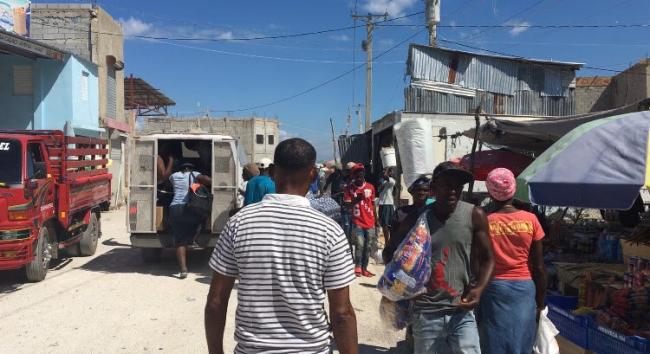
(357, 167)
(456, 172)
(265, 163)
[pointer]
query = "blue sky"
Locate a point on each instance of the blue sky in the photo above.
(227, 76)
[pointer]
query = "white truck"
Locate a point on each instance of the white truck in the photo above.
(147, 220)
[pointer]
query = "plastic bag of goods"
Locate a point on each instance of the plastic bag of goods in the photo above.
(394, 313)
(406, 276)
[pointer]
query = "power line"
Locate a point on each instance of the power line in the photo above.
(511, 17)
(527, 26)
(257, 56)
(227, 39)
(322, 84)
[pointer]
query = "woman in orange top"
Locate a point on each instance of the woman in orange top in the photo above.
(511, 303)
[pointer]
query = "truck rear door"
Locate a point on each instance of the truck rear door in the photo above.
(225, 179)
(142, 187)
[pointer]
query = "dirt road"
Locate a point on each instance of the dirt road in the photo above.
(114, 303)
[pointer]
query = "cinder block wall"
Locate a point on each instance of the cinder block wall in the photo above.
(65, 26)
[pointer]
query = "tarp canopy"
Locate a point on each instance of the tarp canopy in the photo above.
(538, 135)
(601, 164)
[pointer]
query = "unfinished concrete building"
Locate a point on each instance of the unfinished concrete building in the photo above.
(90, 32)
(257, 136)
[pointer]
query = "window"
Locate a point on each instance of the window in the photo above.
(34, 160)
(111, 93)
(22, 80)
(259, 139)
(10, 151)
(271, 139)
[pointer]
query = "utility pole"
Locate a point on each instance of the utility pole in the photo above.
(358, 111)
(333, 140)
(432, 14)
(367, 47)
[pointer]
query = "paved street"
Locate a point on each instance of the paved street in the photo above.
(114, 303)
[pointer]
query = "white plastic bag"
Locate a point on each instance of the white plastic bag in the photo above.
(545, 342)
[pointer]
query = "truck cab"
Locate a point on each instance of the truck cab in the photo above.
(52, 188)
(150, 193)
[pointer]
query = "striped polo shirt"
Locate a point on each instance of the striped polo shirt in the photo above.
(285, 255)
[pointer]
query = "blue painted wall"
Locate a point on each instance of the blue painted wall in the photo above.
(57, 95)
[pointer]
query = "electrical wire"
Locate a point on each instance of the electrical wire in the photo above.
(511, 17)
(616, 25)
(242, 39)
(322, 84)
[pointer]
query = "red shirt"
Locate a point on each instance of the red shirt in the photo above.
(363, 213)
(512, 235)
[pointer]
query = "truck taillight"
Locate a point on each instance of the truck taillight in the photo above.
(18, 215)
(133, 210)
(133, 215)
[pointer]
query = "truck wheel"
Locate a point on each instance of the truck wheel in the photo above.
(36, 270)
(151, 255)
(90, 237)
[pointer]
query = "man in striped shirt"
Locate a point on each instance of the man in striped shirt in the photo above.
(287, 257)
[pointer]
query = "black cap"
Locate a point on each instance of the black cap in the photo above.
(187, 165)
(456, 172)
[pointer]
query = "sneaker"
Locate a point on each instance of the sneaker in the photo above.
(182, 274)
(366, 273)
(357, 271)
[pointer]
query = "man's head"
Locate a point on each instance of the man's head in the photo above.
(447, 184)
(358, 174)
(187, 167)
(264, 166)
(250, 171)
(420, 190)
(293, 167)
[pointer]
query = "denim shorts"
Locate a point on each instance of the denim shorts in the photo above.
(454, 333)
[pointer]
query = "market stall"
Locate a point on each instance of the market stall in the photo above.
(599, 264)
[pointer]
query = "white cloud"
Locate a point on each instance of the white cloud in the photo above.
(135, 27)
(519, 27)
(341, 37)
(284, 135)
(394, 8)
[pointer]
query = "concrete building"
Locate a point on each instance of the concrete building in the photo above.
(595, 94)
(45, 88)
(91, 33)
(257, 136)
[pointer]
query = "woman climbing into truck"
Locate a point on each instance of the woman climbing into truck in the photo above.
(184, 223)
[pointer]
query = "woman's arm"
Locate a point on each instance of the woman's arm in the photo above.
(538, 270)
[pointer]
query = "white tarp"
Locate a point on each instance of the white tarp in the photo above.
(415, 145)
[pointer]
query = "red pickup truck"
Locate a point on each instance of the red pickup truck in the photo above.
(52, 189)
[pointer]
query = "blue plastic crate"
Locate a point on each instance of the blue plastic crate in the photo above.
(573, 328)
(603, 340)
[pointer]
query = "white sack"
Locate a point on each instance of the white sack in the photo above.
(415, 145)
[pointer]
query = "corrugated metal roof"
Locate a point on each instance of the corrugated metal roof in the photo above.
(502, 75)
(593, 81)
(573, 65)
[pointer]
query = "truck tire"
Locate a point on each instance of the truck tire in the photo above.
(37, 269)
(90, 237)
(151, 255)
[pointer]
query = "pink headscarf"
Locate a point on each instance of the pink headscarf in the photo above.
(501, 184)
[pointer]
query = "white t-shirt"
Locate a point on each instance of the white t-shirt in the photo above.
(286, 255)
(386, 192)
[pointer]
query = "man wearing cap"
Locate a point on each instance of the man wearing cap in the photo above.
(184, 224)
(260, 185)
(359, 196)
(462, 264)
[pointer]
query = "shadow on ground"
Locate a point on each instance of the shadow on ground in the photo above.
(129, 260)
(14, 280)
